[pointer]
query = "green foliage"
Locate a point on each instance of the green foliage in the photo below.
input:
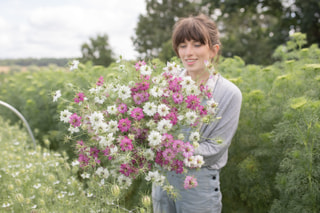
(40, 180)
(98, 51)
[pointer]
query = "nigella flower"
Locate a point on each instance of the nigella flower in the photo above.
(188, 150)
(137, 113)
(154, 138)
(192, 102)
(100, 81)
(145, 70)
(125, 169)
(138, 98)
(56, 95)
(79, 97)
(172, 116)
(124, 92)
(163, 110)
(177, 98)
(126, 144)
(150, 108)
(74, 65)
(140, 64)
(122, 108)
(65, 115)
(168, 154)
(75, 120)
(124, 125)
(190, 182)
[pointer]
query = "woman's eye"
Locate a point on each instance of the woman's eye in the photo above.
(198, 45)
(182, 45)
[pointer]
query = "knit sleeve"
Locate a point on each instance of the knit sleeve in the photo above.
(216, 137)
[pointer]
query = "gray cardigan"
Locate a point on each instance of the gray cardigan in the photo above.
(229, 98)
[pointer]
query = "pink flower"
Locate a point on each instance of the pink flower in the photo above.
(124, 125)
(138, 98)
(139, 64)
(167, 139)
(125, 169)
(83, 160)
(79, 97)
(122, 108)
(168, 154)
(177, 166)
(172, 116)
(75, 120)
(100, 81)
(174, 85)
(126, 144)
(137, 113)
(178, 145)
(193, 102)
(188, 150)
(177, 97)
(190, 182)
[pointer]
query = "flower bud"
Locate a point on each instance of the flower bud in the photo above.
(51, 178)
(115, 190)
(10, 187)
(195, 145)
(146, 201)
(18, 182)
(19, 197)
(180, 136)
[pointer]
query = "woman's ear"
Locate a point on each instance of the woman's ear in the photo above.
(214, 50)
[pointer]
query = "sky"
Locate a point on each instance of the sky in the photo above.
(58, 28)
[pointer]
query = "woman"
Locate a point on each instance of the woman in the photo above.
(196, 41)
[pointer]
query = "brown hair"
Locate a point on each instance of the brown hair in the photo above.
(199, 28)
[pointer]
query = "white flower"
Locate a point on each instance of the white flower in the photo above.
(6, 204)
(65, 116)
(145, 70)
(150, 108)
(124, 92)
(192, 90)
(96, 118)
(194, 137)
(113, 149)
(102, 127)
(211, 106)
(148, 154)
(164, 126)
(155, 177)
(191, 117)
(60, 195)
(56, 95)
(156, 91)
(102, 172)
(112, 109)
(89, 194)
(187, 81)
(100, 100)
(37, 186)
(190, 161)
(124, 181)
(85, 175)
(122, 67)
(198, 161)
(74, 65)
(72, 129)
(106, 141)
(75, 163)
(172, 68)
(163, 110)
(113, 126)
(33, 207)
(154, 138)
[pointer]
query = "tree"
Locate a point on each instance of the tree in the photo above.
(155, 28)
(98, 51)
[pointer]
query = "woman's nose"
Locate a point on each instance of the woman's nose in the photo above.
(189, 50)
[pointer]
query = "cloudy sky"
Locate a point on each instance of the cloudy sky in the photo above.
(41, 28)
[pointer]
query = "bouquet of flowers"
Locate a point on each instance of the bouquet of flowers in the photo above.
(138, 128)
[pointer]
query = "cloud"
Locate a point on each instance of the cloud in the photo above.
(59, 30)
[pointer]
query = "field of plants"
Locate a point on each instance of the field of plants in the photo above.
(274, 159)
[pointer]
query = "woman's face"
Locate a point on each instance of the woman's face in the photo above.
(193, 55)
